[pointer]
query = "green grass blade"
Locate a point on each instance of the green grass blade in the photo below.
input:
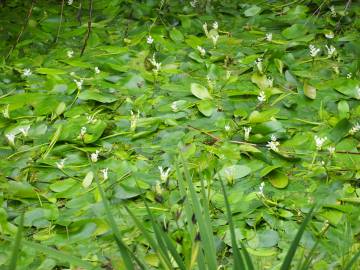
(206, 234)
(164, 260)
(56, 254)
(295, 243)
(173, 251)
(238, 260)
(17, 244)
(111, 221)
(350, 265)
(309, 257)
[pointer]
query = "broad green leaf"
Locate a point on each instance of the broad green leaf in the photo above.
(200, 91)
(176, 35)
(206, 107)
(88, 179)
(97, 95)
(252, 11)
(295, 31)
(309, 91)
(278, 179)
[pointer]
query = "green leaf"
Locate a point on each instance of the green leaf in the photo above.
(88, 179)
(234, 171)
(309, 91)
(176, 35)
(17, 244)
(252, 11)
(278, 179)
(50, 71)
(200, 91)
(206, 107)
(294, 31)
(97, 96)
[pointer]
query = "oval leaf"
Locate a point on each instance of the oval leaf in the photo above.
(88, 179)
(200, 91)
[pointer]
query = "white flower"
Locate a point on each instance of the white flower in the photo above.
(11, 138)
(24, 130)
(149, 40)
(61, 164)
(273, 144)
(105, 173)
(164, 174)
(215, 25)
(258, 63)
(349, 75)
(83, 131)
(155, 64)
(227, 127)
(313, 50)
(354, 129)
(70, 53)
(70, 2)
(97, 70)
(332, 11)
(247, 131)
(261, 97)
(193, 3)
(261, 189)
(268, 36)
(79, 83)
(270, 81)
(319, 142)
(5, 111)
(72, 73)
(201, 50)
(330, 50)
(94, 156)
(329, 35)
(211, 83)
(228, 74)
(205, 29)
(133, 120)
(27, 72)
(158, 188)
(215, 38)
(331, 150)
(91, 119)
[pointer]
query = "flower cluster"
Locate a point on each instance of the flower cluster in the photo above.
(133, 120)
(94, 156)
(164, 174)
(27, 72)
(79, 83)
(261, 97)
(247, 131)
(273, 144)
(319, 142)
(268, 37)
(155, 64)
(149, 40)
(313, 50)
(331, 50)
(354, 129)
(201, 51)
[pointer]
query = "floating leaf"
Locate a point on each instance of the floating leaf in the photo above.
(309, 91)
(88, 179)
(200, 91)
(278, 179)
(206, 107)
(252, 11)
(97, 95)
